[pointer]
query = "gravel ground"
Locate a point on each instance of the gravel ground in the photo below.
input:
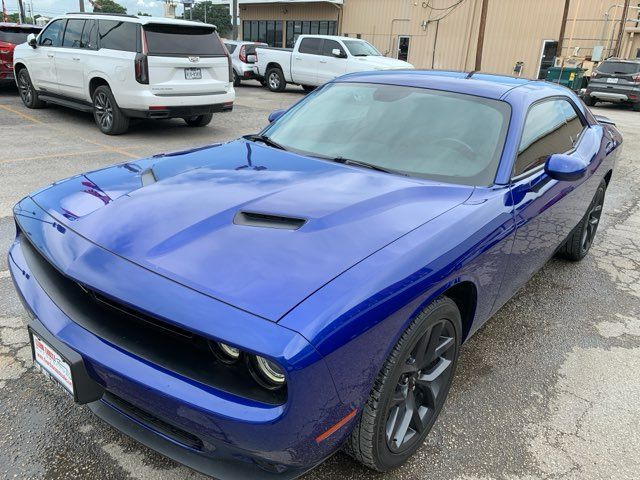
(548, 388)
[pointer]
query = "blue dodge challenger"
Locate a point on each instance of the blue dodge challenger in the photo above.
(250, 308)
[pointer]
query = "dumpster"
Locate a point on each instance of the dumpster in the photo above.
(570, 77)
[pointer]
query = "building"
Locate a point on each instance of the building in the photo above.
(519, 36)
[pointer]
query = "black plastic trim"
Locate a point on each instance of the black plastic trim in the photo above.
(264, 220)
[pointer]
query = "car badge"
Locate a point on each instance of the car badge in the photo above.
(194, 59)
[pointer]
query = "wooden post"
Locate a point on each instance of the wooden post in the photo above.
(563, 27)
(483, 24)
(234, 19)
(623, 23)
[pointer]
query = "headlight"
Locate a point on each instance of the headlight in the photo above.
(271, 373)
(225, 353)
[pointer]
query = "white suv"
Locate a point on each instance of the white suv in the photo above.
(123, 66)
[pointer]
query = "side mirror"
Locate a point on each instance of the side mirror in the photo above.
(252, 58)
(32, 41)
(273, 116)
(336, 52)
(565, 167)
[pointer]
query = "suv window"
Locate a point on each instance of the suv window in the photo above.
(231, 47)
(52, 35)
(183, 40)
(328, 47)
(620, 68)
(552, 126)
(73, 33)
(16, 35)
(310, 45)
(90, 35)
(117, 35)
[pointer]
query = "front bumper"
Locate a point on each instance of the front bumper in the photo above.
(234, 437)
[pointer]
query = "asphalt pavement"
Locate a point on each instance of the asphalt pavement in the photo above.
(548, 388)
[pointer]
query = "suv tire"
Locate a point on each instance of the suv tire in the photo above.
(28, 93)
(275, 80)
(420, 368)
(107, 114)
(589, 101)
(200, 120)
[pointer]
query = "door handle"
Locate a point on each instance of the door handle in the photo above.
(298, 58)
(77, 59)
(323, 61)
(50, 55)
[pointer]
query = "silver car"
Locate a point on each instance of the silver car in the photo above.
(243, 56)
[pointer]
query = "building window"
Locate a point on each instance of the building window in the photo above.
(265, 31)
(295, 28)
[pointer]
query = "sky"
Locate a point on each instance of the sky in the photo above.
(51, 8)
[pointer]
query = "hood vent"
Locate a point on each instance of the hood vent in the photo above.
(252, 219)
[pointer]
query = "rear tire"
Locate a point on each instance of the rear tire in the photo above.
(200, 120)
(107, 114)
(275, 80)
(410, 390)
(28, 93)
(581, 238)
(236, 80)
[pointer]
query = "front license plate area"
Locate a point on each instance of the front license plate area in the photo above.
(52, 364)
(193, 73)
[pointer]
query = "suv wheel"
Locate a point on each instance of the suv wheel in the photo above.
(106, 112)
(28, 93)
(589, 101)
(199, 120)
(275, 80)
(410, 390)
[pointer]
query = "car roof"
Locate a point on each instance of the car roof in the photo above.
(333, 37)
(472, 83)
(142, 20)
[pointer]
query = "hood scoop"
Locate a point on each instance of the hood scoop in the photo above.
(254, 219)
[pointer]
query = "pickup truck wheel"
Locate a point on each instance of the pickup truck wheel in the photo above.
(200, 120)
(107, 114)
(275, 80)
(28, 93)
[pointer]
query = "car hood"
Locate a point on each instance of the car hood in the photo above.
(257, 228)
(382, 63)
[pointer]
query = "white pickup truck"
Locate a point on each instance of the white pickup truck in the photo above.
(317, 59)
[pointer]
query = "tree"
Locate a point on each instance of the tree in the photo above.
(142, 14)
(217, 15)
(107, 6)
(13, 17)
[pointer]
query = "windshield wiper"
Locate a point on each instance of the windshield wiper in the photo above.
(370, 166)
(264, 139)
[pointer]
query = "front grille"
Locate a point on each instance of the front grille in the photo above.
(144, 335)
(151, 421)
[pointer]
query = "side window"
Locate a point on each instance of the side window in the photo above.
(73, 33)
(551, 127)
(118, 35)
(310, 45)
(90, 35)
(329, 46)
(231, 47)
(52, 35)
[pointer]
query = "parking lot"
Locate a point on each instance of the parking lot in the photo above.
(549, 388)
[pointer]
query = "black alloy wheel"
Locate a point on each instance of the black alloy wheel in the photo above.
(28, 94)
(108, 116)
(103, 111)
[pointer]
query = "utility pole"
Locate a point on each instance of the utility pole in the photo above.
(234, 19)
(623, 23)
(81, 5)
(563, 27)
(483, 24)
(21, 11)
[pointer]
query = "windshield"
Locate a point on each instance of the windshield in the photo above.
(359, 48)
(620, 68)
(183, 40)
(442, 136)
(16, 35)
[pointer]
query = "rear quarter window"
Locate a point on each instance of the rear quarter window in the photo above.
(16, 35)
(116, 35)
(183, 40)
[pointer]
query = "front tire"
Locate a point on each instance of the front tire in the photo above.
(199, 120)
(28, 93)
(107, 114)
(275, 80)
(410, 390)
(581, 238)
